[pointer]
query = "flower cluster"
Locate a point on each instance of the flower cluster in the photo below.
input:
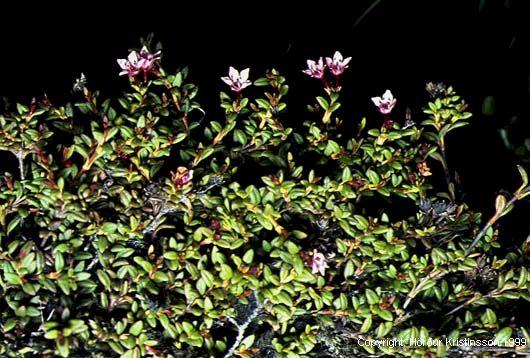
(142, 62)
(336, 65)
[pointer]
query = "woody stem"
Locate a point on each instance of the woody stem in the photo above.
(445, 166)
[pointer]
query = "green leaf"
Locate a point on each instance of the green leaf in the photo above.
(177, 82)
(171, 255)
(292, 247)
(143, 263)
(349, 269)
(283, 297)
(248, 341)
(248, 257)
(372, 176)
(299, 234)
(226, 272)
(346, 174)
(160, 276)
(136, 328)
(188, 328)
(323, 103)
(13, 224)
(109, 228)
(63, 346)
(59, 261)
(386, 315)
(12, 278)
(332, 147)
(503, 335)
(206, 153)
(367, 324)
(371, 297)
(201, 286)
(262, 81)
(240, 136)
(104, 278)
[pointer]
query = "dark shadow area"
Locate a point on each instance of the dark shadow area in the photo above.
(479, 47)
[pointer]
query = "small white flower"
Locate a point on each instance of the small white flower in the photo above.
(237, 80)
(337, 64)
(315, 69)
(386, 103)
(318, 264)
(135, 63)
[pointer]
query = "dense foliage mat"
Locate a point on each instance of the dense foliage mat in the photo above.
(143, 226)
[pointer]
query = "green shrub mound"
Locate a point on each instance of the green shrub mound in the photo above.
(143, 226)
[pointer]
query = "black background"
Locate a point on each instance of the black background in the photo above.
(482, 50)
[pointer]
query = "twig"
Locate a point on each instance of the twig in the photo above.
(163, 211)
(241, 328)
(20, 157)
(417, 289)
(448, 177)
(502, 207)
(490, 223)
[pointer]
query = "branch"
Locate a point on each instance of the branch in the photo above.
(20, 157)
(241, 328)
(498, 214)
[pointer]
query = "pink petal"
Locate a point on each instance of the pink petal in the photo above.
(227, 80)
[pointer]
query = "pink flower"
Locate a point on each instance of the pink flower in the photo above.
(315, 69)
(385, 103)
(139, 62)
(318, 264)
(182, 177)
(337, 64)
(237, 80)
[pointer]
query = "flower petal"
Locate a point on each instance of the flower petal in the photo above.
(133, 58)
(144, 52)
(377, 101)
(227, 80)
(243, 75)
(233, 73)
(387, 96)
(123, 63)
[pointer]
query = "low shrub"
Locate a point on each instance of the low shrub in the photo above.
(140, 226)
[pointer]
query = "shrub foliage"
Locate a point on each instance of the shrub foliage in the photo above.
(140, 226)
